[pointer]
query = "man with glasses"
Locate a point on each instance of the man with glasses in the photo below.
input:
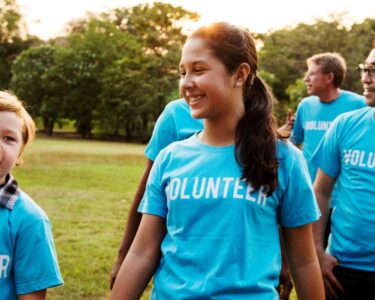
(346, 155)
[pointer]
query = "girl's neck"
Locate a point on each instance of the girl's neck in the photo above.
(218, 133)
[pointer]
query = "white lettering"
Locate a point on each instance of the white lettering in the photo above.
(248, 193)
(262, 195)
(174, 187)
(4, 263)
(227, 181)
(355, 157)
(237, 188)
(213, 188)
(183, 189)
(201, 190)
(371, 164)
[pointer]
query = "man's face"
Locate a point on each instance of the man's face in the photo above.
(316, 81)
(368, 79)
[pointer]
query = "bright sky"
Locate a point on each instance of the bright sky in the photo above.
(47, 18)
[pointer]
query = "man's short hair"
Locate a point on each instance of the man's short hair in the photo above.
(330, 63)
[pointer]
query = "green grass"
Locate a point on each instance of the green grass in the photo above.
(86, 188)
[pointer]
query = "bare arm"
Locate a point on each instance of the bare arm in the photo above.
(134, 218)
(323, 186)
(303, 262)
(38, 295)
(141, 261)
(285, 282)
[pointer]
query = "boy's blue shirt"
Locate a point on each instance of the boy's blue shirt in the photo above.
(28, 260)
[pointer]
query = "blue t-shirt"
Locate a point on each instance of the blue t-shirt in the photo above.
(313, 118)
(347, 153)
(222, 238)
(174, 124)
(28, 261)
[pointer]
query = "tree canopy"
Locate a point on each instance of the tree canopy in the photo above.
(113, 73)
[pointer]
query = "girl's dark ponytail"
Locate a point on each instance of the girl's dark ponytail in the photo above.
(256, 137)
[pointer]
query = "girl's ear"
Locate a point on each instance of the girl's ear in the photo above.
(242, 73)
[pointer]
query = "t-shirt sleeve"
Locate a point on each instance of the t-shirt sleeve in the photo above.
(35, 261)
(327, 154)
(297, 133)
(164, 133)
(298, 204)
(154, 200)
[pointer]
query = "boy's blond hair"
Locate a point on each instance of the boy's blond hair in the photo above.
(10, 102)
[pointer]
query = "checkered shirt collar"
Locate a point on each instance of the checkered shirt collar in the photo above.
(9, 192)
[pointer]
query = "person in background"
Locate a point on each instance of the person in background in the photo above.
(346, 155)
(28, 262)
(174, 124)
(214, 201)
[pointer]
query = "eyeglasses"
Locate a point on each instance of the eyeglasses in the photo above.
(363, 69)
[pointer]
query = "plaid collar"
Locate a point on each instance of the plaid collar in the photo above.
(9, 192)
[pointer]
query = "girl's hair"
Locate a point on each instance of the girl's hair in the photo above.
(9, 102)
(256, 132)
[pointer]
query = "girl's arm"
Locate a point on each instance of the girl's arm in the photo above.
(303, 262)
(142, 259)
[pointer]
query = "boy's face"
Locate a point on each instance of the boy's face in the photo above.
(10, 142)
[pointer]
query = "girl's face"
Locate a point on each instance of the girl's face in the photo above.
(206, 85)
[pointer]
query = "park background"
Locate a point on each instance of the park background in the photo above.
(96, 91)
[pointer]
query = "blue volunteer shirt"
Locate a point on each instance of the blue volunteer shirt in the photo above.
(347, 153)
(314, 117)
(174, 124)
(28, 261)
(222, 238)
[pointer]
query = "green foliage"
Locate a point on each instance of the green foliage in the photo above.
(34, 81)
(10, 18)
(11, 41)
(285, 51)
(296, 92)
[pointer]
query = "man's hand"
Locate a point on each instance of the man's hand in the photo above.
(285, 283)
(332, 286)
(290, 118)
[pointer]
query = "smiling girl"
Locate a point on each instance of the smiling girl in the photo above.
(214, 201)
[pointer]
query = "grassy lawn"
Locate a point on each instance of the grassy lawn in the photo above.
(86, 188)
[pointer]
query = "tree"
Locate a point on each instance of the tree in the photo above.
(11, 41)
(135, 88)
(33, 80)
(285, 51)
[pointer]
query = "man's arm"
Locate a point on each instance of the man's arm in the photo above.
(38, 295)
(132, 224)
(323, 187)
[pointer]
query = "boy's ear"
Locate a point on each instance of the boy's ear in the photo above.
(18, 161)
